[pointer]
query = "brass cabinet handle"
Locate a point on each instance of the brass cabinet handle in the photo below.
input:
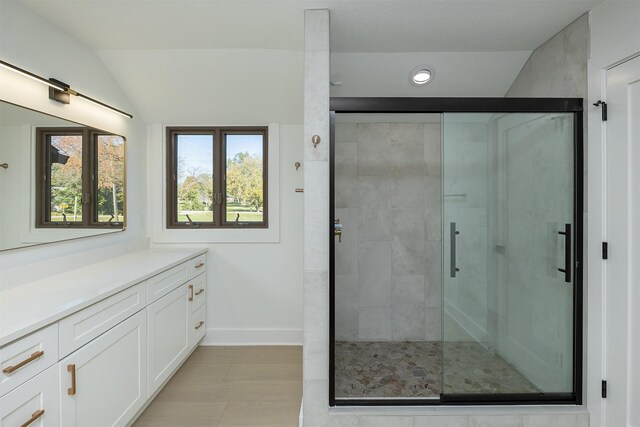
(200, 291)
(34, 417)
(71, 391)
(190, 292)
(34, 356)
(200, 264)
(199, 325)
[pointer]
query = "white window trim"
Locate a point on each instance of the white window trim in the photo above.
(157, 212)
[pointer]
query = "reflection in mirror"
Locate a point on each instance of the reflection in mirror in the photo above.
(110, 182)
(62, 180)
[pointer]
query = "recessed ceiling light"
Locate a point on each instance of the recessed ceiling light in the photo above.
(421, 75)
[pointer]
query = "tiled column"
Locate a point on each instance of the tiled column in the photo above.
(316, 218)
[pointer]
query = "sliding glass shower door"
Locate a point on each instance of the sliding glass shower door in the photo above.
(508, 239)
(455, 251)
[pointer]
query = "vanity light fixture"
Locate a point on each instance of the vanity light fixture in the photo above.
(60, 91)
(29, 75)
(421, 75)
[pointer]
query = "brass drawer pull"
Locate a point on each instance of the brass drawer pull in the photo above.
(190, 292)
(200, 264)
(34, 417)
(34, 356)
(199, 325)
(200, 291)
(71, 391)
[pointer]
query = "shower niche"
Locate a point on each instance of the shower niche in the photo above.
(456, 271)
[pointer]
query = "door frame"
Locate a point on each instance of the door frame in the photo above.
(345, 105)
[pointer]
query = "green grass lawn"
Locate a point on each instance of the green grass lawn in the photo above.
(205, 216)
(101, 218)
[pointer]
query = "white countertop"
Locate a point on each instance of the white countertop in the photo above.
(30, 306)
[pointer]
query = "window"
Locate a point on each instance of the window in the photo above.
(79, 178)
(217, 177)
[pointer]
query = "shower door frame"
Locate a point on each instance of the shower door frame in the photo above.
(345, 105)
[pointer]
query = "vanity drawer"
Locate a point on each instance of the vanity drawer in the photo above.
(197, 326)
(197, 265)
(85, 325)
(197, 292)
(163, 283)
(27, 357)
(35, 403)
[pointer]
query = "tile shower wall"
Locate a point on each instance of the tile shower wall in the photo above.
(387, 197)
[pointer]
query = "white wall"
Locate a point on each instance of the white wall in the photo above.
(258, 296)
(615, 36)
(255, 279)
(29, 41)
(255, 289)
(210, 86)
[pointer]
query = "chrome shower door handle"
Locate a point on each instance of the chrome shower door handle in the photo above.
(453, 234)
(567, 252)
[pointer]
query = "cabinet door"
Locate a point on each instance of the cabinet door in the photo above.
(104, 383)
(168, 335)
(197, 326)
(35, 403)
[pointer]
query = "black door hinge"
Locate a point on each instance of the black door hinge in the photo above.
(604, 109)
(605, 250)
(604, 389)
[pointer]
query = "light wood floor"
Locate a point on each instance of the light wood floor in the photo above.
(231, 386)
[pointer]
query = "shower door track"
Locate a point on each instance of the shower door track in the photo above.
(342, 105)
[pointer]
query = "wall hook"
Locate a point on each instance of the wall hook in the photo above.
(315, 139)
(4, 165)
(297, 165)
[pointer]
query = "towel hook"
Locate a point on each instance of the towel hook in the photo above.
(315, 139)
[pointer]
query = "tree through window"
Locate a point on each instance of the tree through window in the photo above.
(79, 178)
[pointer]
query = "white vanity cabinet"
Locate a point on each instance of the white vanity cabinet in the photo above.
(104, 383)
(168, 335)
(107, 346)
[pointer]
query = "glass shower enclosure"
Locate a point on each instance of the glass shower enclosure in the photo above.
(456, 251)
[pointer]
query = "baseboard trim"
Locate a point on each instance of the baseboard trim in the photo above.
(241, 336)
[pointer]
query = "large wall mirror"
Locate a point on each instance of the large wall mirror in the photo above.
(59, 180)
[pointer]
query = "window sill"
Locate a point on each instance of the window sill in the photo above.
(219, 235)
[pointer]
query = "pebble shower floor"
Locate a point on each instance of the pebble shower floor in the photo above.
(414, 369)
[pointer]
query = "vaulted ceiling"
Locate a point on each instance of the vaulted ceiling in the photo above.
(356, 25)
(200, 54)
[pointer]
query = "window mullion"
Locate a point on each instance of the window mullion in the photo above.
(219, 177)
(172, 196)
(87, 184)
